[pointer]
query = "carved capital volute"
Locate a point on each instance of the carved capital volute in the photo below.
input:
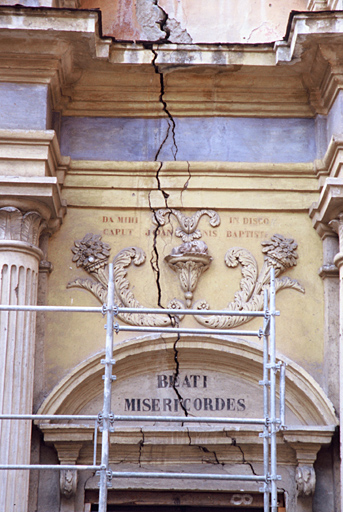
(306, 480)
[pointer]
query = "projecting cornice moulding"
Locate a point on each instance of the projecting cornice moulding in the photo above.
(32, 172)
(83, 63)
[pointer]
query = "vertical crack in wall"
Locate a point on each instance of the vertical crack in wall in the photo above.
(244, 461)
(185, 185)
(171, 128)
(176, 374)
(154, 261)
(140, 448)
(205, 450)
(170, 119)
(163, 23)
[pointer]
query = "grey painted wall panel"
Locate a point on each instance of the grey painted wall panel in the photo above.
(23, 106)
(198, 139)
(335, 118)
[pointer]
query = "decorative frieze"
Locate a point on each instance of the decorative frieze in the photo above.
(189, 260)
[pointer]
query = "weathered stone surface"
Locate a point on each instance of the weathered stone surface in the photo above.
(220, 21)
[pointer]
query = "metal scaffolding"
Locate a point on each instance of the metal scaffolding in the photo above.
(270, 422)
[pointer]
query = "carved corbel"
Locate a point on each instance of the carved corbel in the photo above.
(68, 482)
(306, 480)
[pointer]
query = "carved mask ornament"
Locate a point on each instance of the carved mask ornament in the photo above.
(189, 260)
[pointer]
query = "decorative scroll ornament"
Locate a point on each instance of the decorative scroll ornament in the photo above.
(306, 480)
(188, 225)
(280, 253)
(92, 254)
(189, 260)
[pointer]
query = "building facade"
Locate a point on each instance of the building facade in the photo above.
(195, 145)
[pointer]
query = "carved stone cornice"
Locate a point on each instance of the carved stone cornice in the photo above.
(328, 207)
(315, 39)
(32, 173)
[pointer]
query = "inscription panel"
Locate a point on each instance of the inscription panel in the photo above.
(196, 393)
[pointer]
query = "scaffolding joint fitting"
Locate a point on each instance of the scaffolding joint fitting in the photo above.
(109, 478)
(264, 382)
(264, 434)
(111, 418)
(112, 377)
(260, 332)
(110, 361)
(116, 327)
(100, 421)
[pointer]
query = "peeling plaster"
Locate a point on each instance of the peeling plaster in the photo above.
(157, 26)
(151, 18)
(177, 34)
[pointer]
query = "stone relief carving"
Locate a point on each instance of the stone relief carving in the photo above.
(92, 254)
(68, 482)
(189, 260)
(21, 226)
(306, 480)
(280, 253)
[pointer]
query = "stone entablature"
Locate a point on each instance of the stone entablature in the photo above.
(74, 90)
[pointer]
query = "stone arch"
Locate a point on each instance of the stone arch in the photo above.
(237, 358)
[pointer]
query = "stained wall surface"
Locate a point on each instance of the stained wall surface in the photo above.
(187, 21)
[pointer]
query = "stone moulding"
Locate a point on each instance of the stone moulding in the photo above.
(189, 260)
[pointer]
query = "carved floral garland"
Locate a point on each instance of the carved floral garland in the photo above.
(189, 260)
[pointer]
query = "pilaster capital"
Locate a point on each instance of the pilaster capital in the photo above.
(20, 231)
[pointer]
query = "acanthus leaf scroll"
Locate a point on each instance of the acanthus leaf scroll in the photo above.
(189, 260)
(92, 254)
(280, 253)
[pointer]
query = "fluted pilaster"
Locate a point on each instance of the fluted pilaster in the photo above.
(19, 262)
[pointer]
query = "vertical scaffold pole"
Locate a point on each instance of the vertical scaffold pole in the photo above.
(266, 384)
(107, 394)
(272, 365)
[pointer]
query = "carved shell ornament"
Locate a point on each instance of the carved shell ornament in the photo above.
(189, 260)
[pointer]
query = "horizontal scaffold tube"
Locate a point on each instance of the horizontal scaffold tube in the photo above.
(180, 330)
(197, 476)
(55, 467)
(148, 311)
(175, 419)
